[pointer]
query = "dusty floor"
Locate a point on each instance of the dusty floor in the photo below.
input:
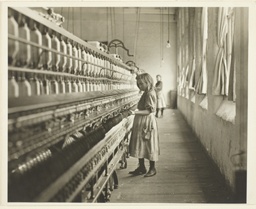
(184, 172)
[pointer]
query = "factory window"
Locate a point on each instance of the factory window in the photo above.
(201, 86)
(224, 76)
(227, 111)
(201, 83)
(224, 73)
(192, 80)
(192, 47)
(181, 53)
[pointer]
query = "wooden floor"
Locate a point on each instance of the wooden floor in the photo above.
(184, 172)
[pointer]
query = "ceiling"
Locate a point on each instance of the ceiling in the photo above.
(148, 14)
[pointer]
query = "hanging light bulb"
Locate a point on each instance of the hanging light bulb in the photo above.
(168, 45)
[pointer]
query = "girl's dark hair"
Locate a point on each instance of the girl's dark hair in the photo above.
(145, 77)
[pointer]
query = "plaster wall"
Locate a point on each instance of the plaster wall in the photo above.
(225, 142)
(145, 39)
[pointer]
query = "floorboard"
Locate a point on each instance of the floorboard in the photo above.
(184, 172)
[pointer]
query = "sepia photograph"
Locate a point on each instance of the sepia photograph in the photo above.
(127, 104)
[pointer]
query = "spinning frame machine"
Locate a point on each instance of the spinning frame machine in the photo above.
(68, 113)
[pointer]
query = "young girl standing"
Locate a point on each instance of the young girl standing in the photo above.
(160, 104)
(144, 143)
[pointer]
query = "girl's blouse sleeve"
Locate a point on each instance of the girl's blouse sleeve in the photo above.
(150, 101)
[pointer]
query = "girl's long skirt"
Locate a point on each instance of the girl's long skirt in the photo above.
(160, 100)
(144, 141)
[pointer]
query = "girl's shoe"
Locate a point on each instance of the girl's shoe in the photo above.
(139, 171)
(151, 172)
